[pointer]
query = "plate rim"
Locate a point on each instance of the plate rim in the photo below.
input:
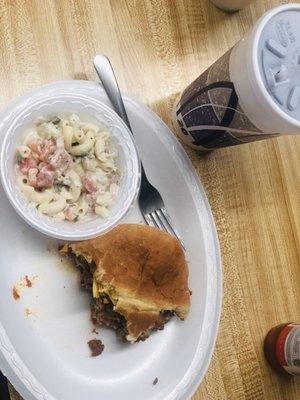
(12, 365)
(195, 381)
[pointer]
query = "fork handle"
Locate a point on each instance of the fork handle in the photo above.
(109, 81)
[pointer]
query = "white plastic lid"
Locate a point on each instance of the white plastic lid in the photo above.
(278, 54)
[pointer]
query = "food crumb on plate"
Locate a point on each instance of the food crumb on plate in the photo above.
(15, 293)
(155, 381)
(25, 281)
(96, 347)
(28, 281)
(30, 313)
(95, 331)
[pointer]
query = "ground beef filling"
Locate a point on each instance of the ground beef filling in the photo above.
(96, 347)
(102, 312)
(86, 271)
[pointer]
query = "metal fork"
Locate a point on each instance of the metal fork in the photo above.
(150, 201)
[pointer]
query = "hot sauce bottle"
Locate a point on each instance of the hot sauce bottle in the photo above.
(282, 348)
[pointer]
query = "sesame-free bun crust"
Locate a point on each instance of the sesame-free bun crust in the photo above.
(143, 269)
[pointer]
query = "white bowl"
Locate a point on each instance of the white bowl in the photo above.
(48, 101)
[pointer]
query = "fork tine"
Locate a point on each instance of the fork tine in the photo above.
(157, 220)
(166, 222)
(166, 217)
(148, 220)
(154, 223)
(160, 219)
(164, 225)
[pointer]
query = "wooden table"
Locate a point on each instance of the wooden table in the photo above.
(157, 48)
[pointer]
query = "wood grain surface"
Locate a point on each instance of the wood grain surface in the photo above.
(157, 48)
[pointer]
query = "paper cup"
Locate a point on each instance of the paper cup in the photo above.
(250, 93)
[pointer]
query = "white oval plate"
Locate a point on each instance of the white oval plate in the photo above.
(44, 334)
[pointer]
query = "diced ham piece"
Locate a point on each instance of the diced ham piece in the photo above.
(40, 179)
(43, 150)
(61, 159)
(46, 167)
(26, 164)
(89, 185)
(35, 148)
(48, 148)
(69, 214)
(45, 178)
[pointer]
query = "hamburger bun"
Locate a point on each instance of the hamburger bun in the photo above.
(142, 271)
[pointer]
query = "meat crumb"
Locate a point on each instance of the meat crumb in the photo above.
(94, 331)
(28, 281)
(96, 347)
(25, 281)
(16, 295)
(190, 292)
(155, 381)
(22, 283)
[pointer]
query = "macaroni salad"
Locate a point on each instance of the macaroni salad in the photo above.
(68, 169)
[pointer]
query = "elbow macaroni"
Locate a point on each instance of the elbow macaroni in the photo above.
(91, 127)
(75, 186)
(105, 200)
(53, 207)
(68, 136)
(47, 130)
(101, 211)
(82, 208)
(89, 164)
(79, 137)
(84, 147)
(74, 120)
(32, 195)
(24, 151)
